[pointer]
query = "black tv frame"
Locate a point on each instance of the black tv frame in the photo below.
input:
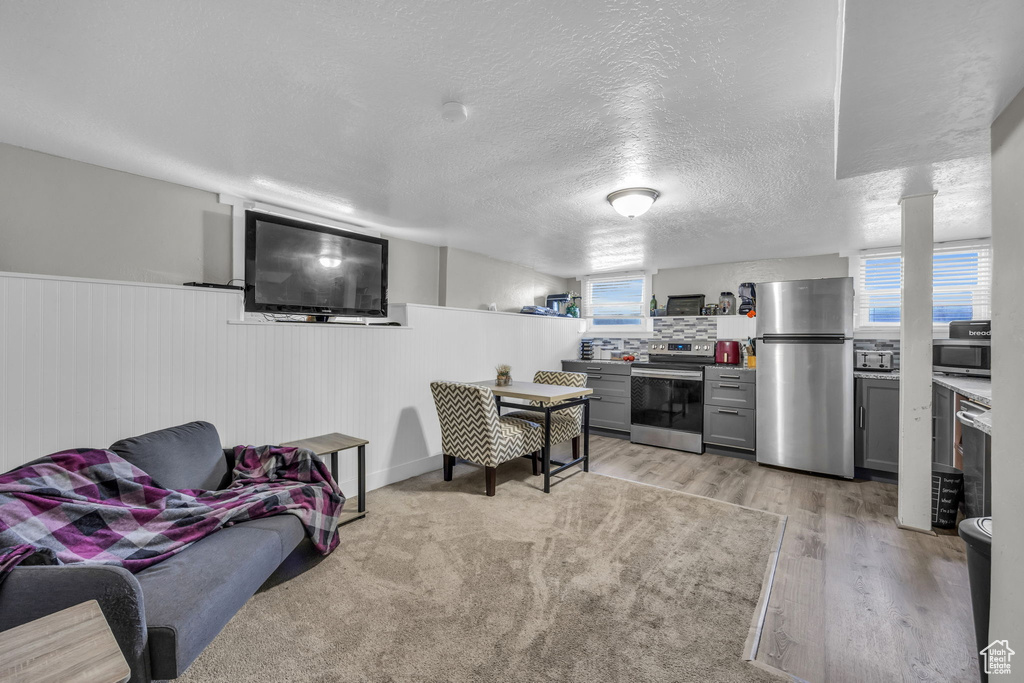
(253, 306)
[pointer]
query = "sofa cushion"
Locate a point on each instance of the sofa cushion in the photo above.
(191, 596)
(188, 456)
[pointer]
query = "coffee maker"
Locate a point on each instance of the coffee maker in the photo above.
(748, 298)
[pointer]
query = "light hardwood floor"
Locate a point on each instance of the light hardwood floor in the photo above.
(854, 598)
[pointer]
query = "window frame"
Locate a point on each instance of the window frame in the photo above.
(856, 265)
(646, 325)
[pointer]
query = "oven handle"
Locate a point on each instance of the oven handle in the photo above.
(669, 374)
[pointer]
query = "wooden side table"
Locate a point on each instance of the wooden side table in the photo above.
(74, 644)
(332, 444)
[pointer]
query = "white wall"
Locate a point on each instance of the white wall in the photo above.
(84, 363)
(714, 279)
(1008, 378)
(63, 217)
(412, 272)
(470, 280)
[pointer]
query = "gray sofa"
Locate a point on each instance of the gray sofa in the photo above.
(163, 617)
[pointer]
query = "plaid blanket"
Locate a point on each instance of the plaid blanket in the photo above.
(94, 506)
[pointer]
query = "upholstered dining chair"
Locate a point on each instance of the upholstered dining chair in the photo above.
(565, 424)
(472, 430)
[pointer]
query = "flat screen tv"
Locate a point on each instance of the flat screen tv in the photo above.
(298, 267)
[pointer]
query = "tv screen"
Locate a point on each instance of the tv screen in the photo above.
(298, 267)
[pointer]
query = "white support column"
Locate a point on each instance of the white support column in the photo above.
(1007, 382)
(914, 506)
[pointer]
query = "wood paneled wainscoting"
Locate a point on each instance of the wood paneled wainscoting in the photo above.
(854, 598)
(86, 362)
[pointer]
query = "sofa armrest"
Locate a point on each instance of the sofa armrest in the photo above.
(32, 592)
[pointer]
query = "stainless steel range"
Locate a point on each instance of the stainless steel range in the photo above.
(667, 395)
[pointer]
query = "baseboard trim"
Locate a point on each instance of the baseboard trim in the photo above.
(906, 527)
(392, 475)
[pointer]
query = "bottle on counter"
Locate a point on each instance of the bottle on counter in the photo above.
(726, 304)
(654, 305)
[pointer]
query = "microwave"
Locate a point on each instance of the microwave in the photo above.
(962, 357)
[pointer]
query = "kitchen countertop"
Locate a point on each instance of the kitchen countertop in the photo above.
(975, 388)
(985, 423)
(876, 374)
(594, 360)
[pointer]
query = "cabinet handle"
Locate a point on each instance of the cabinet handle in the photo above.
(595, 398)
(595, 368)
(729, 376)
(594, 376)
(728, 412)
(729, 386)
(863, 411)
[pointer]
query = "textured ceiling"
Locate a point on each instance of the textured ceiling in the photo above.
(726, 108)
(922, 80)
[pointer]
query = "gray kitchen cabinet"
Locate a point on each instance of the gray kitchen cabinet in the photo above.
(943, 423)
(730, 419)
(876, 444)
(609, 404)
(733, 427)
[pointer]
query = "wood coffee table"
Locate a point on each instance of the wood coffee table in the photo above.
(75, 644)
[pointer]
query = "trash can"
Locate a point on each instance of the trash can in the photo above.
(947, 487)
(977, 534)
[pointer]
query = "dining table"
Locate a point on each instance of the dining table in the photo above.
(551, 399)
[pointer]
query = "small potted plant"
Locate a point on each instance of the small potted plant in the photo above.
(573, 309)
(504, 376)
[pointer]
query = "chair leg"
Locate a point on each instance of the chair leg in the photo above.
(491, 476)
(536, 463)
(449, 463)
(575, 447)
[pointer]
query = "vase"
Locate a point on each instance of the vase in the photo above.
(503, 381)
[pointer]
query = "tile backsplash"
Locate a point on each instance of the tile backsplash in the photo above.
(880, 345)
(664, 329)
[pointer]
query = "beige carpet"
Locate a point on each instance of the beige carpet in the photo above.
(602, 580)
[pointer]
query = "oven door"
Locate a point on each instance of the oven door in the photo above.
(667, 399)
(962, 356)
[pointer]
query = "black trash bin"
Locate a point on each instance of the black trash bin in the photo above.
(977, 534)
(947, 488)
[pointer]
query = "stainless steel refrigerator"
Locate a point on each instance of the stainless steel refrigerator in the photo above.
(805, 375)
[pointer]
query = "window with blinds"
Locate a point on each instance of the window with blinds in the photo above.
(961, 281)
(616, 299)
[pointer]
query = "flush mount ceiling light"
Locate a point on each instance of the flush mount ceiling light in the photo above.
(454, 112)
(330, 261)
(633, 201)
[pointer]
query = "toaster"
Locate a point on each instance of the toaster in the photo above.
(872, 360)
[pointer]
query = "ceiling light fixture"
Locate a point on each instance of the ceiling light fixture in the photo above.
(330, 261)
(454, 112)
(633, 201)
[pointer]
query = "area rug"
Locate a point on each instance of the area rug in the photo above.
(600, 580)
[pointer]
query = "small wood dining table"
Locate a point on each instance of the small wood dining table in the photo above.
(552, 397)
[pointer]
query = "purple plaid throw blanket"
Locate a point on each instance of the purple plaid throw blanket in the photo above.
(94, 506)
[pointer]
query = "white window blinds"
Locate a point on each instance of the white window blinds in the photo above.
(961, 279)
(616, 298)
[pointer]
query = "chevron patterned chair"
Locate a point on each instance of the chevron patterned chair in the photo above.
(565, 424)
(472, 430)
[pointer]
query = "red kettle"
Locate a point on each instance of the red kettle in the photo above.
(727, 352)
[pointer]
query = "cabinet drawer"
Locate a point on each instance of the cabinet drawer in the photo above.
(737, 374)
(609, 412)
(608, 385)
(732, 427)
(730, 394)
(596, 367)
